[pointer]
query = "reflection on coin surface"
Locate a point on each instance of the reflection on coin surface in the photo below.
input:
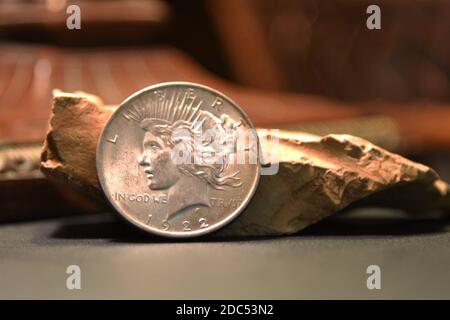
(178, 159)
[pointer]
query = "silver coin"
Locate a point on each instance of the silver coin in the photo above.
(178, 159)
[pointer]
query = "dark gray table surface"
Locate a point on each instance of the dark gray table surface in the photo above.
(327, 260)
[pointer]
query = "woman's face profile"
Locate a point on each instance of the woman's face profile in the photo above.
(156, 159)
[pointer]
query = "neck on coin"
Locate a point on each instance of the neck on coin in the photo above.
(189, 192)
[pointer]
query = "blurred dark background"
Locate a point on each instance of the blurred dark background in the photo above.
(309, 47)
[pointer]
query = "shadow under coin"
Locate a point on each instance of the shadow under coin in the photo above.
(113, 229)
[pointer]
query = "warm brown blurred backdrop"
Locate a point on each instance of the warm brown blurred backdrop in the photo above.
(249, 49)
(298, 64)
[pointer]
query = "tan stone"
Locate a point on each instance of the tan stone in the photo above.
(318, 176)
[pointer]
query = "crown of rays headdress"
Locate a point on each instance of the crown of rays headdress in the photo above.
(179, 106)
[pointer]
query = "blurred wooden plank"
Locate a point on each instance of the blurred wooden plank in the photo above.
(31, 72)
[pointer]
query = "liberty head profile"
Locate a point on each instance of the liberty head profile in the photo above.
(185, 150)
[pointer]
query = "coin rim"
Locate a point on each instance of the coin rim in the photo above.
(178, 234)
